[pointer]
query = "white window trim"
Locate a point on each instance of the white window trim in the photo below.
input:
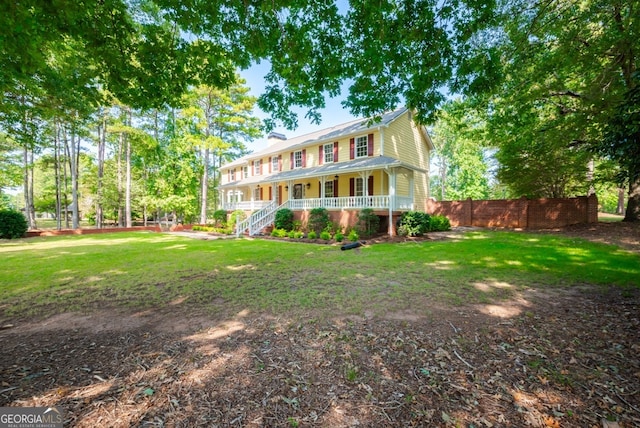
(256, 167)
(364, 138)
(295, 159)
(359, 187)
(245, 171)
(275, 164)
(328, 185)
(328, 151)
(233, 175)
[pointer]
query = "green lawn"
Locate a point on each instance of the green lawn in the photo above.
(40, 276)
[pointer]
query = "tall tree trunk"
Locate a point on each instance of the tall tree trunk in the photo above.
(633, 204)
(65, 178)
(119, 178)
(32, 209)
(127, 196)
(102, 141)
(74, 163)
(56, 161)
(29, 210)
(25, 182)
(204, 187)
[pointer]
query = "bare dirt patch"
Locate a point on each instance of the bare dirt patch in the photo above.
(558, 358)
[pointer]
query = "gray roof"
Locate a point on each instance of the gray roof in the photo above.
(334, 133)
(361, 164)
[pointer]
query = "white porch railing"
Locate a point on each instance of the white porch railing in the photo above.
(265, 216)
(351, 202)
(246, 205)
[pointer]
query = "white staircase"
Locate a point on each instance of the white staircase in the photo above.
(258, 220)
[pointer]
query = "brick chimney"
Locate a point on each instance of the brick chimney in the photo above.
(275, 137)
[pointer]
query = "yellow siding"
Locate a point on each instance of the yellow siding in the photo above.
(404, 141)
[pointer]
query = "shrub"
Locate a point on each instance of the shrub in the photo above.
(413, 223)
(291, 234)
(339, 237)
(235, 217)
(312, 235)
(279, 233)
(438, 223)
(284, 219)
(220, 217)
(325, 235)
(353, 236)
(318, 219)
(12, 224)
(298, 234)
(368, 222)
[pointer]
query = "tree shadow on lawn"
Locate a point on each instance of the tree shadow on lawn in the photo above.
(548, 358)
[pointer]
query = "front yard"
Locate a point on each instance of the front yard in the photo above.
(478, 329)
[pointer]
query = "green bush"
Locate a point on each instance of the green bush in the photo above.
(291, 234)
(439, 223)
(325, 235)
(298, 234)
(339, 237)
(318, 219)
(368, 223)
(284, 219)
(220, 217)
(12, 224)
(312, 235)
(279, 233)
(235, 217)
(413, 223)
(353, 236)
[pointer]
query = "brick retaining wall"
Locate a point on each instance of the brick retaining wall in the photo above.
(521, 213)
(62, 232)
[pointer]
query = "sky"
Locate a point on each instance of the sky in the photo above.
(333, 114)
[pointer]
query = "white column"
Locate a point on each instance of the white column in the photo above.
(392, 198)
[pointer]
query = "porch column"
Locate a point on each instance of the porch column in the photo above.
(392, 198)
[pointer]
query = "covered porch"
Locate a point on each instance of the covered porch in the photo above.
(382, 184)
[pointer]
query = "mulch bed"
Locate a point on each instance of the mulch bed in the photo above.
(546, 359)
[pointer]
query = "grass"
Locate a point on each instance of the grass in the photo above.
(41, 276)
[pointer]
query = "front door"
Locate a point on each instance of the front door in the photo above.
(297, 191)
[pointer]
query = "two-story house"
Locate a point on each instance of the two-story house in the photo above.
(383, 165)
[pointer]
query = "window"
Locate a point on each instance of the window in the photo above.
(274, 164)
(233, 175)
(245, 172)
(362, 147)
(328, 153)
(328, 189)
(359, 190)
(297, 159)
(257, 166)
